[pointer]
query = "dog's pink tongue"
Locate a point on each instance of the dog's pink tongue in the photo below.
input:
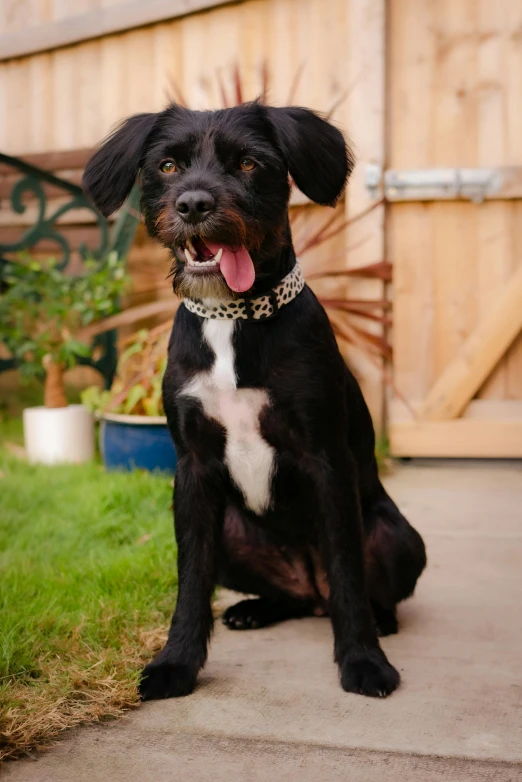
(236, 267)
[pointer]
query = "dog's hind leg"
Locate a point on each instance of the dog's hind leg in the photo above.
(394, 556)
(394, 551)
(257, 612)
(254, 564)
(385, 619)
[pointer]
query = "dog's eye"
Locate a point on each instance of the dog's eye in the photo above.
(168, 167)
(247, 164)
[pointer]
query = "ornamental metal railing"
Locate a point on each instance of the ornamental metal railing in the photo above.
(29, 191)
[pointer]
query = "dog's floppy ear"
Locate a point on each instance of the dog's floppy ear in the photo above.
(316, 153)
(112, 170)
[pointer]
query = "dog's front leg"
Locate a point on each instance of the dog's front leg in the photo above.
(199, 510)
(363, 665)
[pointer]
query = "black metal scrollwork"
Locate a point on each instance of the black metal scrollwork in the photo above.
(46, 225)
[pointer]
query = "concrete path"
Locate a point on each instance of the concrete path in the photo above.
(269, 706)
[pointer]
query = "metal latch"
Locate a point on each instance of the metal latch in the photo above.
(434, 184)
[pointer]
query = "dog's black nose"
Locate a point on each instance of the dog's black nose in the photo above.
(194, 205)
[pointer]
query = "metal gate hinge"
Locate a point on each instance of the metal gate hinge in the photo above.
(433, 184)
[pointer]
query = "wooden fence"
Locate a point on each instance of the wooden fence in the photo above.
(416, 85)
(455, 75)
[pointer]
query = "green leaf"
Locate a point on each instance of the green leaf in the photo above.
(136, 347)
(95, 399)
(78, 348)
(136, 393)
(42, 305)
(152, 406)
(27, 346)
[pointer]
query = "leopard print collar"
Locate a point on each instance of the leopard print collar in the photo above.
(258, 308)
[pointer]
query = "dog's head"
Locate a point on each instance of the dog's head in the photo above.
(216, 185)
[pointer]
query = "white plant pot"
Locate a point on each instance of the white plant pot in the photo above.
(59, 435)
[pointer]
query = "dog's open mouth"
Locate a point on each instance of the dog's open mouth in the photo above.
(208, 257)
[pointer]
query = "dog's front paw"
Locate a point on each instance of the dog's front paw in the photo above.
(369, 673)
(163, 679)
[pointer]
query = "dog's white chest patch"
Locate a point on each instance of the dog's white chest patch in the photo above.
(249, 458)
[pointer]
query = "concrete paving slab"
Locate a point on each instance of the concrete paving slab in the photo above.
(123, 755)
(269, 705)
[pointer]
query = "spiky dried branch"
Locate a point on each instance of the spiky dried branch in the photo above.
(310, 237)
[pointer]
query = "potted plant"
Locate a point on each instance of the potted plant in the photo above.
(42, 310)
(134, 431)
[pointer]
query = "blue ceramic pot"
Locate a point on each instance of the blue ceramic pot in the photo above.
(130, 442)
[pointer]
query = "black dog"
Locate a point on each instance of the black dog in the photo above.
(277, 492)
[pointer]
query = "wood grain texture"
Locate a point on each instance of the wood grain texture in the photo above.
(70, 98)
(365, 121)
(455, 85)
(475, 360)
(80, 91)
(83, 20)
(463, 438)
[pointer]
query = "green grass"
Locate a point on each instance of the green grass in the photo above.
(87, 585)
(11, 431)
(382, 454)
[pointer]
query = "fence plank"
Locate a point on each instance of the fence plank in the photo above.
(364, 113)
(478, 355)
(461, 438)
(98, 23)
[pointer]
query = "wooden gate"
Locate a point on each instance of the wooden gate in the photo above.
(417, 84)
(455, 100)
